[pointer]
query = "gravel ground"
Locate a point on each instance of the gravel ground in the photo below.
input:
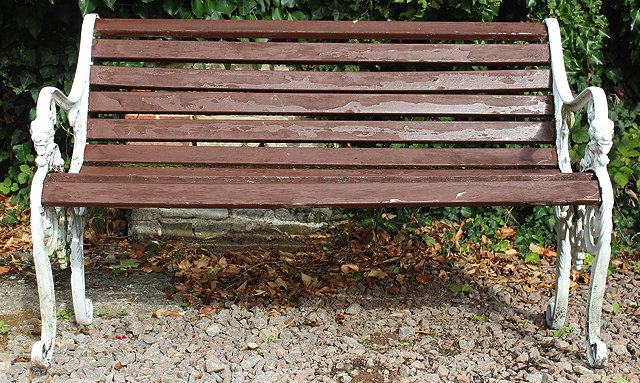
(425, 333)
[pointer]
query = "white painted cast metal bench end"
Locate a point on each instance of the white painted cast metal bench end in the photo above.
(582, 229)
(58, 231)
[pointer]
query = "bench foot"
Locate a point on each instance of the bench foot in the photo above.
(597, 353)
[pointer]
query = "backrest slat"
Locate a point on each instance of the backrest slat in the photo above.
(326, 53)
(320, 104)
(201, 130)
(302, 81)
(322, 29)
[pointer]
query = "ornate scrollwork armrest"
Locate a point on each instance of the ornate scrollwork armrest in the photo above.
(48, 154)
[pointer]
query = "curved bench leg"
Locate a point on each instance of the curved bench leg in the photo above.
(556, 314)
(599, 223)
(42, 350)
(82, 307)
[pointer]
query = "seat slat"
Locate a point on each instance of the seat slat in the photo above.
(320, 104)
(301, 81)
(340, 157)
(325, 53)
(321, 29)
(259, 195)
(188, 172)
(313, 176)
(320, 131)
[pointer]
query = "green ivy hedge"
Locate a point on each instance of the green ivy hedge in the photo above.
(601, 41)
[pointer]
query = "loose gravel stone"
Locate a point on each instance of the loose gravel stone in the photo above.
(213, 330)
(534, 378)
(466, 344)
(213, 364)
(581, 370)
(406, 332)
(353, 309)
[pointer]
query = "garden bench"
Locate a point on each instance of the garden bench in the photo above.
(398, 114)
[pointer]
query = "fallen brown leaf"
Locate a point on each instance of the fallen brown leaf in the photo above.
(349, 268)
(425, 278)
(164, 313)
(536, 249)
(505, 232)
(208, 309)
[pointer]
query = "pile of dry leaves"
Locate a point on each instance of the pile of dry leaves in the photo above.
(336, 258)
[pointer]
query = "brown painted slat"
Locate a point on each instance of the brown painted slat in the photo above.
(344, 157)
(246, 195)
(301, 81)
(320, 131)
(322, 29)
(327, 53)
(331, 176)
(324, 103)
(208, 173)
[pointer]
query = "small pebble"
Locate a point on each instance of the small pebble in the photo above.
(213, 330)
(353, 309)
(406, 332)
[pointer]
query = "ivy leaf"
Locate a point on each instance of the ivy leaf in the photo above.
(635, 18)
(532, 258)
(226, 7)
(86, 6)
(246, 6)
(615, 308)
(580, 134)
(460, 288)
(197, 7)
(288, 3)
(296, 15)
(621, 179)
(429, 240)
(109, 3)
(277, 14)
(171, 7)
(22, 178)
(22, 151)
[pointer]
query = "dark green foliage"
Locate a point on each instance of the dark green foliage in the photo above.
(601, 41)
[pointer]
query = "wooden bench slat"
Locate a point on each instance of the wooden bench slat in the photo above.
(259, 195)
(189, 172)
(321, 29)
(340, 157)
(321, 104)
(326, 53)
(309, 81)
(320, 131)
(313, 176)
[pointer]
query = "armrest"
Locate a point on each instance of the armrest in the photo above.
(43, 127)
(594, 98)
